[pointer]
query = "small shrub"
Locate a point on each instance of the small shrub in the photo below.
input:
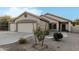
(22, 41)
(60, 35)
(57, 36)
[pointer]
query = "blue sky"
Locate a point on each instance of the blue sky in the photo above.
(71, 13)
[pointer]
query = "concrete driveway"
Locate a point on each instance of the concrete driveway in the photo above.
(7, 37)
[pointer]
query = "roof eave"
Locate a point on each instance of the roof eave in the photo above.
(58, 16)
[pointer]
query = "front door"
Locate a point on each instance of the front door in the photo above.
(63, 27)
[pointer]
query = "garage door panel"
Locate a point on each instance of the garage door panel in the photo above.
(25, 27)
(12, 27)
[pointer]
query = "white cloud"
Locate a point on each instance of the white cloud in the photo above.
(16, 11)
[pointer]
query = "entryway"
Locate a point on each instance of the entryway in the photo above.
(52, 26)
(63, 27)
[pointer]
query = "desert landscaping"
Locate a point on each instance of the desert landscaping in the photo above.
(45, 32)
(69, 43)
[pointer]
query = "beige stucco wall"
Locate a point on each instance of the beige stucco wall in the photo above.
(12, 27)
(68, 26)
(57, 27)
(26, 27)
(44, 25)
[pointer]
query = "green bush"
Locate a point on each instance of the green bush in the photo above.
(22, 41)
(58, 36)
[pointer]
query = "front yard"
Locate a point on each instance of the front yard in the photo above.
(70, 43)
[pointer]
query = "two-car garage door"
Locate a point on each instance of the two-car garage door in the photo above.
(22, 27)
(25, 27)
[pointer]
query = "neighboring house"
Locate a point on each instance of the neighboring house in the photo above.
(25, 22)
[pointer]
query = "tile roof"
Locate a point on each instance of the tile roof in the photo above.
(58, 17)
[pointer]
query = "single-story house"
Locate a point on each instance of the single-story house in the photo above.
(26, 22)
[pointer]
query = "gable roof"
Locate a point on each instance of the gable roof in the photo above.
(58, 17)
(25, 13)
(48, 17)
(40, 18)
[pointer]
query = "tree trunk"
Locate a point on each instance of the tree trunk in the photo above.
(35, 40)
(34, 35)
(42, 42)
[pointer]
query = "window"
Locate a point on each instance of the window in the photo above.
(50, 26)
